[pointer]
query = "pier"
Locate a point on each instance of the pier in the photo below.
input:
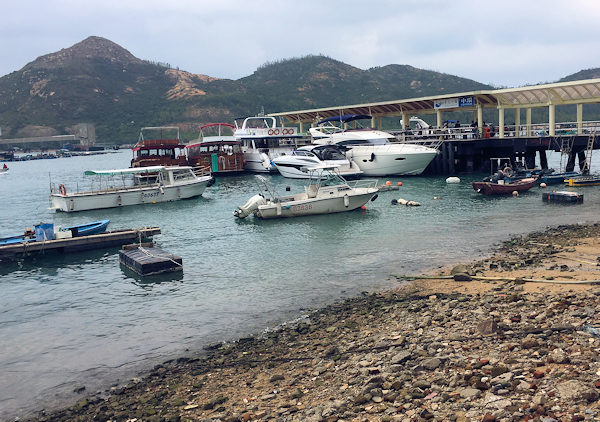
(77, 244)
(468, 148)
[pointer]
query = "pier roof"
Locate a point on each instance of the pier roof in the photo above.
(560, 93)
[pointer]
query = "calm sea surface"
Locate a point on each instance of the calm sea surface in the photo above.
(68, 321)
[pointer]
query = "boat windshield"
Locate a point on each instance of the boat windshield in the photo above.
(327, 178)
(329, 153)
(375, 141)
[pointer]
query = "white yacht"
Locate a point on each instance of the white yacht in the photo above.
(116, 188)
(375, 152)
(294, 165)
(262, 140)
(327, 192)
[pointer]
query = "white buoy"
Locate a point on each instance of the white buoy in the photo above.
(542, 185)
(453, 179)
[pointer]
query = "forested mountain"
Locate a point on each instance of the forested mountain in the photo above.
(97, 81)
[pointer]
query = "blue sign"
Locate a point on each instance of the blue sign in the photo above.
(466, 102)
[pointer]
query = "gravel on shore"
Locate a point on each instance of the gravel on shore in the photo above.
(431, 350)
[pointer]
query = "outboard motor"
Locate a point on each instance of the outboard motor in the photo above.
(250, 206)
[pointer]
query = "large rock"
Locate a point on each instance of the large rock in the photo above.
(574, 390)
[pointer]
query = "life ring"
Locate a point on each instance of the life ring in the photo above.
(508, 171)
(276, 131)
(270, 132)
(62, 189)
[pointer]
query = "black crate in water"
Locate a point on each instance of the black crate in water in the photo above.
(149, 260)
(563, 196)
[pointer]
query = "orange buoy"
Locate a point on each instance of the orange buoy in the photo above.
(388, 183)
(399, 183)
(363, 207)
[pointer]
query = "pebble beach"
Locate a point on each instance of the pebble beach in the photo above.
(512, 337)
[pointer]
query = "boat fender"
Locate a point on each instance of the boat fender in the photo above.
(346, 200)
(62, 189)
(413, 204)
(162, 191)
(508, 171)
(374, 197)
(394, 202)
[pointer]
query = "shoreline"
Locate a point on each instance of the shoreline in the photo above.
(433, 349)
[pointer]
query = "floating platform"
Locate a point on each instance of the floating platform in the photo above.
(76, 244)
(146, 259)
(563, 197)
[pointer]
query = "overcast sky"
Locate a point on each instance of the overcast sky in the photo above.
(503, 43)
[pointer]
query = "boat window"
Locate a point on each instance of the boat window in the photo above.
(329, 153)
(354, 142)
(143, 152)
(304, 154)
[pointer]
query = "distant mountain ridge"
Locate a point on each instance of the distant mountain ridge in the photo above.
(97, 81)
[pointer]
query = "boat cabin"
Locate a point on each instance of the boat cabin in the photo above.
(221, 152)
(159, 146)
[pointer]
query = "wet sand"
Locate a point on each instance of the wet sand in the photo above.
(433, 349)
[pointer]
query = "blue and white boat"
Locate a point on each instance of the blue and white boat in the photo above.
(46, 232)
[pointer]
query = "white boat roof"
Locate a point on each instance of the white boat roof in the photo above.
(135, 170)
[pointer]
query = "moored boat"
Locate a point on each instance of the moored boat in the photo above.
(262, 140)
(377, 153)
(500, 187)
(159, 146)
(222, 153)
(327, 192)
(166, 184)
(48, 232)
(592, 180)
(294, 165)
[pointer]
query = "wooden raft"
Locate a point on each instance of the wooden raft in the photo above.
(146, 259)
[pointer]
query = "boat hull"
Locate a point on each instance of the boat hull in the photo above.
(315, 206)
(290, 167)
(72, 202)
(391, 159)
(489, 188)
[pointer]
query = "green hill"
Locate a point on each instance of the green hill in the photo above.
(97, 81)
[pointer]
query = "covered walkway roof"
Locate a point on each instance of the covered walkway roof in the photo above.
(562, 93)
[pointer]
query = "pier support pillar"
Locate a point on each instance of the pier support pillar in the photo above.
(480, 120)
(517, 122)
(543, 159)
(530, 159)
(438, 113)
(373, 122)
(501, 122)
(552, 119)
(405, 121)
(301, 127)
(583, 168)
(571, 162)
(579, 119)
(528, 121)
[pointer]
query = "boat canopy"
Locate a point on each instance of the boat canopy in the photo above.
(345, 118)
(135, 170)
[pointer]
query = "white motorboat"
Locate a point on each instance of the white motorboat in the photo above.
(375, 151)
(116, 188)
(293, 166)
(327, 192)
(262, 140)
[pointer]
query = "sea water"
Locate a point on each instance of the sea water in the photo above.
(77, 320)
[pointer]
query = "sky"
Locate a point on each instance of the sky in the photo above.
(504, 43)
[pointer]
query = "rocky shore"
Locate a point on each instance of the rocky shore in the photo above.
(434, 349)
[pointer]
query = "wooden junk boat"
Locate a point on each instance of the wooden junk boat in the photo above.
(159, 146)
(221, 153)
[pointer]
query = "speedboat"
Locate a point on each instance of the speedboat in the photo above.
(115, 188)
(262, 140)
(293, 165)
(376, 153)
(47, 232)
(4, 168)
(222, 153)
(327, 192)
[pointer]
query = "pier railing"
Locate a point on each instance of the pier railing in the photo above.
(463, 132)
